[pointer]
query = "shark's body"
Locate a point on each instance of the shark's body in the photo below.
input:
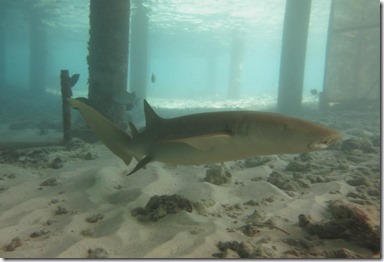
(208, 137)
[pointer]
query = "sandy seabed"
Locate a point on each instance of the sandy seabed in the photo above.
(77, 202)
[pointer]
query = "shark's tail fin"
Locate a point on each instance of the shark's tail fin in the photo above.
(111, 135)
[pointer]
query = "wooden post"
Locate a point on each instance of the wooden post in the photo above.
(66, 92)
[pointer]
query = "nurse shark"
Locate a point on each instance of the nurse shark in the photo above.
(207, 137)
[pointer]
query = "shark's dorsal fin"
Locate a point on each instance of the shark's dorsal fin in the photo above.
(150, 115)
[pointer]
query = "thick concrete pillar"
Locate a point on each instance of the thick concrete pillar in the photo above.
(293, 54)
(108, 55)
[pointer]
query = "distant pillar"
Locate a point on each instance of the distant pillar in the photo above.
(323, 96)
(37, 54)
(236, 66)
(2, 56)
(139, 51)
(212, 64)
(293, 53)
(108, 55)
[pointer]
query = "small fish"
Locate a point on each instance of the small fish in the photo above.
(153, 78)
(314, 92)
(207, 137)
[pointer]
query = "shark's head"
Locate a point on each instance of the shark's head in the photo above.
(307, 136)
(324, 140)
(287, 135)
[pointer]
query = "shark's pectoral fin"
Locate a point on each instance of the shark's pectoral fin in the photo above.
(141, 164)
(204, 142)
(137, 157)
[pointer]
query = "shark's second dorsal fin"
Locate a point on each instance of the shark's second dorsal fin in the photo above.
(150, 115)
(134, 131)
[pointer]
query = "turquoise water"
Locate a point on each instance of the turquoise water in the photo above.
(189, 45)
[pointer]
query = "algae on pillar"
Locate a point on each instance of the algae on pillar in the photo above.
(293, 53)
(108, 55)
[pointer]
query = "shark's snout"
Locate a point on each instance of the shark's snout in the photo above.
(325, 142)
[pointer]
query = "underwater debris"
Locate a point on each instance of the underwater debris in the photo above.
(365, 145)
(87, 232)
(49, 182)
(297, 166)
(76, 143)
(61, 210)
(160, 206)
(259, 219)
(324, 230)
(29, 157)
(217, 175)
(95, 218)
(50, 222)
(97, 253)
(234, 249)
(39, 233)
(359, 181)
(341, 253)
(249, 230)
(56, 163)
(3, 188)
(304, 248)
(16, 242)
(282, 181)
(348, 222)
(357, 223)
(256, 161)
(9, 176)
(300, 243)
(314, 92)
(90, 156)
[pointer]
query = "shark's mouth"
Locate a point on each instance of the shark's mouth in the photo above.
(324, 143)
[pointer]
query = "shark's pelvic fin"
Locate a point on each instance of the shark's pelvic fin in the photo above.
(141, 164)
